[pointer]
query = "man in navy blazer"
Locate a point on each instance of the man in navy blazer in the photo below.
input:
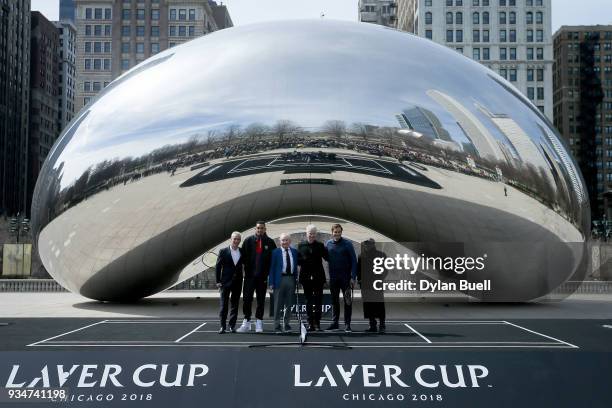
(229, 269)
(282, 280)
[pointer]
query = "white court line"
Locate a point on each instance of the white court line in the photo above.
(63, 334)
(540, 334)
(238, 165)
(194, 330)
(384, 168)
(347, 162)
(420, 335)
(348, 342)
(272, 162)
(153, 321)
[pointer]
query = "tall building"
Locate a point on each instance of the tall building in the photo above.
(511, 37)
(583, 106)
(66, 11)
(221, 15)
(67, 72)
(113, 36)
(383, 12)
(44, 93)
(14, 103)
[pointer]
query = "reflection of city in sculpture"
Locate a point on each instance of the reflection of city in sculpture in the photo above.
(146, 180)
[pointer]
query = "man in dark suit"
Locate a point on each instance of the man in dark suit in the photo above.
(257, 251)
(283, 278)
(229, 280)
(312, 275)
(373, 300)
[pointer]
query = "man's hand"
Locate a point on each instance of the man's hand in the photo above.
(270, 289)
(218, 285)
(352, 283)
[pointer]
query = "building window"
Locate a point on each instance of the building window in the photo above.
(529, 35)
(449, 35)
(485, 17)
(107, 14)
(139, 48)
(428, 34)
(512, 35)
(459, 18)
(98, 14)
(513, 54)
(182, 31)
(540, 54)
(540, 74)
(476, 35)
(540, 35)
(98, 30)
(192, 14)
(107, 30)
(485, 2)
(503, 54)
(459, 50)
(512, 17)
(172, 14)
(182, 14)
(172, 31)
(529, 3)
(540, 93)
(87, 47)
(154, 14)
(529, 54)
(502, 17)
(530, 75)
(449, 3)
(476, 54)
(96, 86)
(125, 47)
(87, 14)
(459, 35)
(476, 18)
(502, 2)
(87, 64)
(140, 31)
(486, 54)
(154, 48)
(86, 101)
(502, 36)
(140, 14)
(125, 31)
(513, 75)
(459, 3)
(503, 72)
(97, 47)
(97, 64)
(428, 18)
(88, 30)
(539, 18)
(87, 86)
(485, 35)
(476, 3)
(154, 31)
(529, 19)
(191, 31)
(427, 3)
(125, 64)
(449, 18)
(531, 93)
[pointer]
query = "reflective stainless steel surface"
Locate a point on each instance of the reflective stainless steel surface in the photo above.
(347, 120)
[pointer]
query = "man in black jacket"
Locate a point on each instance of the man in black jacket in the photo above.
(229, 280)
(312, 275)
(257, 250)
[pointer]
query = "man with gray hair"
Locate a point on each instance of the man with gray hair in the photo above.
(282, 281)
(229, 280)
(312, 275)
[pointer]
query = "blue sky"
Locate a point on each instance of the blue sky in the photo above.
(565, 12)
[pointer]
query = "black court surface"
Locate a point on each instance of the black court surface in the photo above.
(310, 162)
(180, 362)
(446, 334)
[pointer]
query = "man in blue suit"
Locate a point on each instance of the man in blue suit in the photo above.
(229, 280)
(282, 281)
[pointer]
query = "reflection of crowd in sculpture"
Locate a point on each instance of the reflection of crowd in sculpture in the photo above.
(259, 263)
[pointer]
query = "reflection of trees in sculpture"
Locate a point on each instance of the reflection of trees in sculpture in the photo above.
(232, 132)
(336, 128)
(361, 130)
(285, 128)
(256, 130)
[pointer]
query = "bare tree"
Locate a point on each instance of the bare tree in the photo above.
(231, 133)
(255, 131)
(361, 130)
(336, 128)
(284, 128)
(210, 138)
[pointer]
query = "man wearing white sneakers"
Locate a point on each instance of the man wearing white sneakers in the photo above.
(257, 250)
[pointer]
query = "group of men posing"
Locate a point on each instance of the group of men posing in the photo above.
(259, 266)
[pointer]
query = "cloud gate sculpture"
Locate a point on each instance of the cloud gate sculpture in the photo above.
(346, 120)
